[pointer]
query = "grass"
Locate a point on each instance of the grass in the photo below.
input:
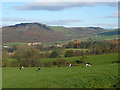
(14, 43)
(94, 59)
(98, 59)
(102, 74)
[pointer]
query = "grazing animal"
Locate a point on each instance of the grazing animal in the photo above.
(70, 65)
(87, 64)
(21, 67)
(38, 68)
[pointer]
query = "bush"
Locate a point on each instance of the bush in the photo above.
(69, 53)
(5, 63)
(61, 62)
(14, 64)
(44, 55)
(27, 55)
(78, 53)
(54, 54)
(48, 64)
(55, 63)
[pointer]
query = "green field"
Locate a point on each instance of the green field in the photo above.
(94, 59)
(102, 74)
(14, 43)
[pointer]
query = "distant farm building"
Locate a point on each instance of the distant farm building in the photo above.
(34, 44)
(59, 45)
(76, 42)
(5, 46)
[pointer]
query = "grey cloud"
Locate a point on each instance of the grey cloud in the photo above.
(48, 22)
(55, 6)
(7, 19)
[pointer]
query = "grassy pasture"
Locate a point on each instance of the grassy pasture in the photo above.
(14, 43)
(94, 59)
(98, 59)
(102, 74)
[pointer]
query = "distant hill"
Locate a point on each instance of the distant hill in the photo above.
(32, 32)
(112, 32)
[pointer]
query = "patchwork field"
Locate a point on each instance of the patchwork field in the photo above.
(102, 74)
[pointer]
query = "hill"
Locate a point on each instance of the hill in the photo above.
(112, 32)
(32, 32)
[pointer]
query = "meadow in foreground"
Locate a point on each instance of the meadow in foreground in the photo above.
(96, 76)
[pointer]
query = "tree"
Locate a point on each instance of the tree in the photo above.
(27, 55)
(54, 54)
(96, 49)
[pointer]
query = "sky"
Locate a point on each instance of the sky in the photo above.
(68, 14)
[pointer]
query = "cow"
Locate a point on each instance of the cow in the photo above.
(70, 65)
(21, 67)
(87, 64)
(38, 69)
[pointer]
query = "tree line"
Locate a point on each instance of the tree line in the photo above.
(31, 56)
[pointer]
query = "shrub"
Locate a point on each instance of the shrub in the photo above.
(78, 53)
(44, 55)
(48, 64)
(5, 63)
(27, 55)
(14, 64)
(61, 62)
(55, 63)
(54, 54)
(69, 53)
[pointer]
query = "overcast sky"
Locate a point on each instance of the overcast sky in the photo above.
(68, 14)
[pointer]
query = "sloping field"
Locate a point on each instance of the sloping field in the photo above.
(102, 74)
